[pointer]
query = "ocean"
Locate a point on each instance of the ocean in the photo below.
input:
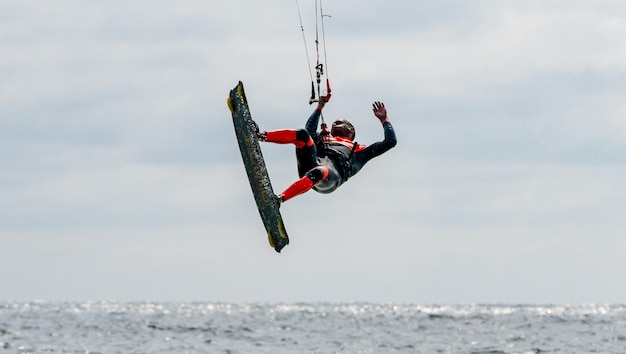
(199, 327)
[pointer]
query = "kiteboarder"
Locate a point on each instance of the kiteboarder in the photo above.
(327, 159)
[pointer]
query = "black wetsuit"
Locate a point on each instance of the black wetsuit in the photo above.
(339, 158)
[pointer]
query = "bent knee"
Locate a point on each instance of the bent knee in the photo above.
(304, 137)
(317, 174)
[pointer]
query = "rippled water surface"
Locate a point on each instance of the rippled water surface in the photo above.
(112, 327)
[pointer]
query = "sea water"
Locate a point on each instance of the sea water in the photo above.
(197, 327)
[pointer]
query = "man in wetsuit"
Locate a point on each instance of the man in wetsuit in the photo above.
(326, 160)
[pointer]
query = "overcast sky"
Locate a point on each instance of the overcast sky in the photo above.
(121, 179)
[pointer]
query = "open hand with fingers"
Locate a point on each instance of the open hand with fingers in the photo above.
(379, 110)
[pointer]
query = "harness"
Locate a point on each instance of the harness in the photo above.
(344, 162)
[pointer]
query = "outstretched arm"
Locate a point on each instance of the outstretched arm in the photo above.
(380, 147)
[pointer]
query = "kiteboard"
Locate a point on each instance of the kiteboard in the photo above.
(246, 132)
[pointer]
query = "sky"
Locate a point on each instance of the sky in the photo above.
(121, 179)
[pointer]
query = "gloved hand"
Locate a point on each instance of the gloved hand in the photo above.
(322, 102)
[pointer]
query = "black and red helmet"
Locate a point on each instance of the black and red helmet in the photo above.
(343, 128)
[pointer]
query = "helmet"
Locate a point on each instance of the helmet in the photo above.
(343, 128)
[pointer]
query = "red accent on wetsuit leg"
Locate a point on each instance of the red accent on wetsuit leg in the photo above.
(302, 185)
(286, 136)
(324, 172)
(283, 136)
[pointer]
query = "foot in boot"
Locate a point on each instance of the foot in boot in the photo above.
(278, 199)
(259, 134)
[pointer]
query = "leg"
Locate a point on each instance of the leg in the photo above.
(300, 138)
(305, 183)
(306, 154)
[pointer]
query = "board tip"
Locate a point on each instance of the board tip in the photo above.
(229, 102)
